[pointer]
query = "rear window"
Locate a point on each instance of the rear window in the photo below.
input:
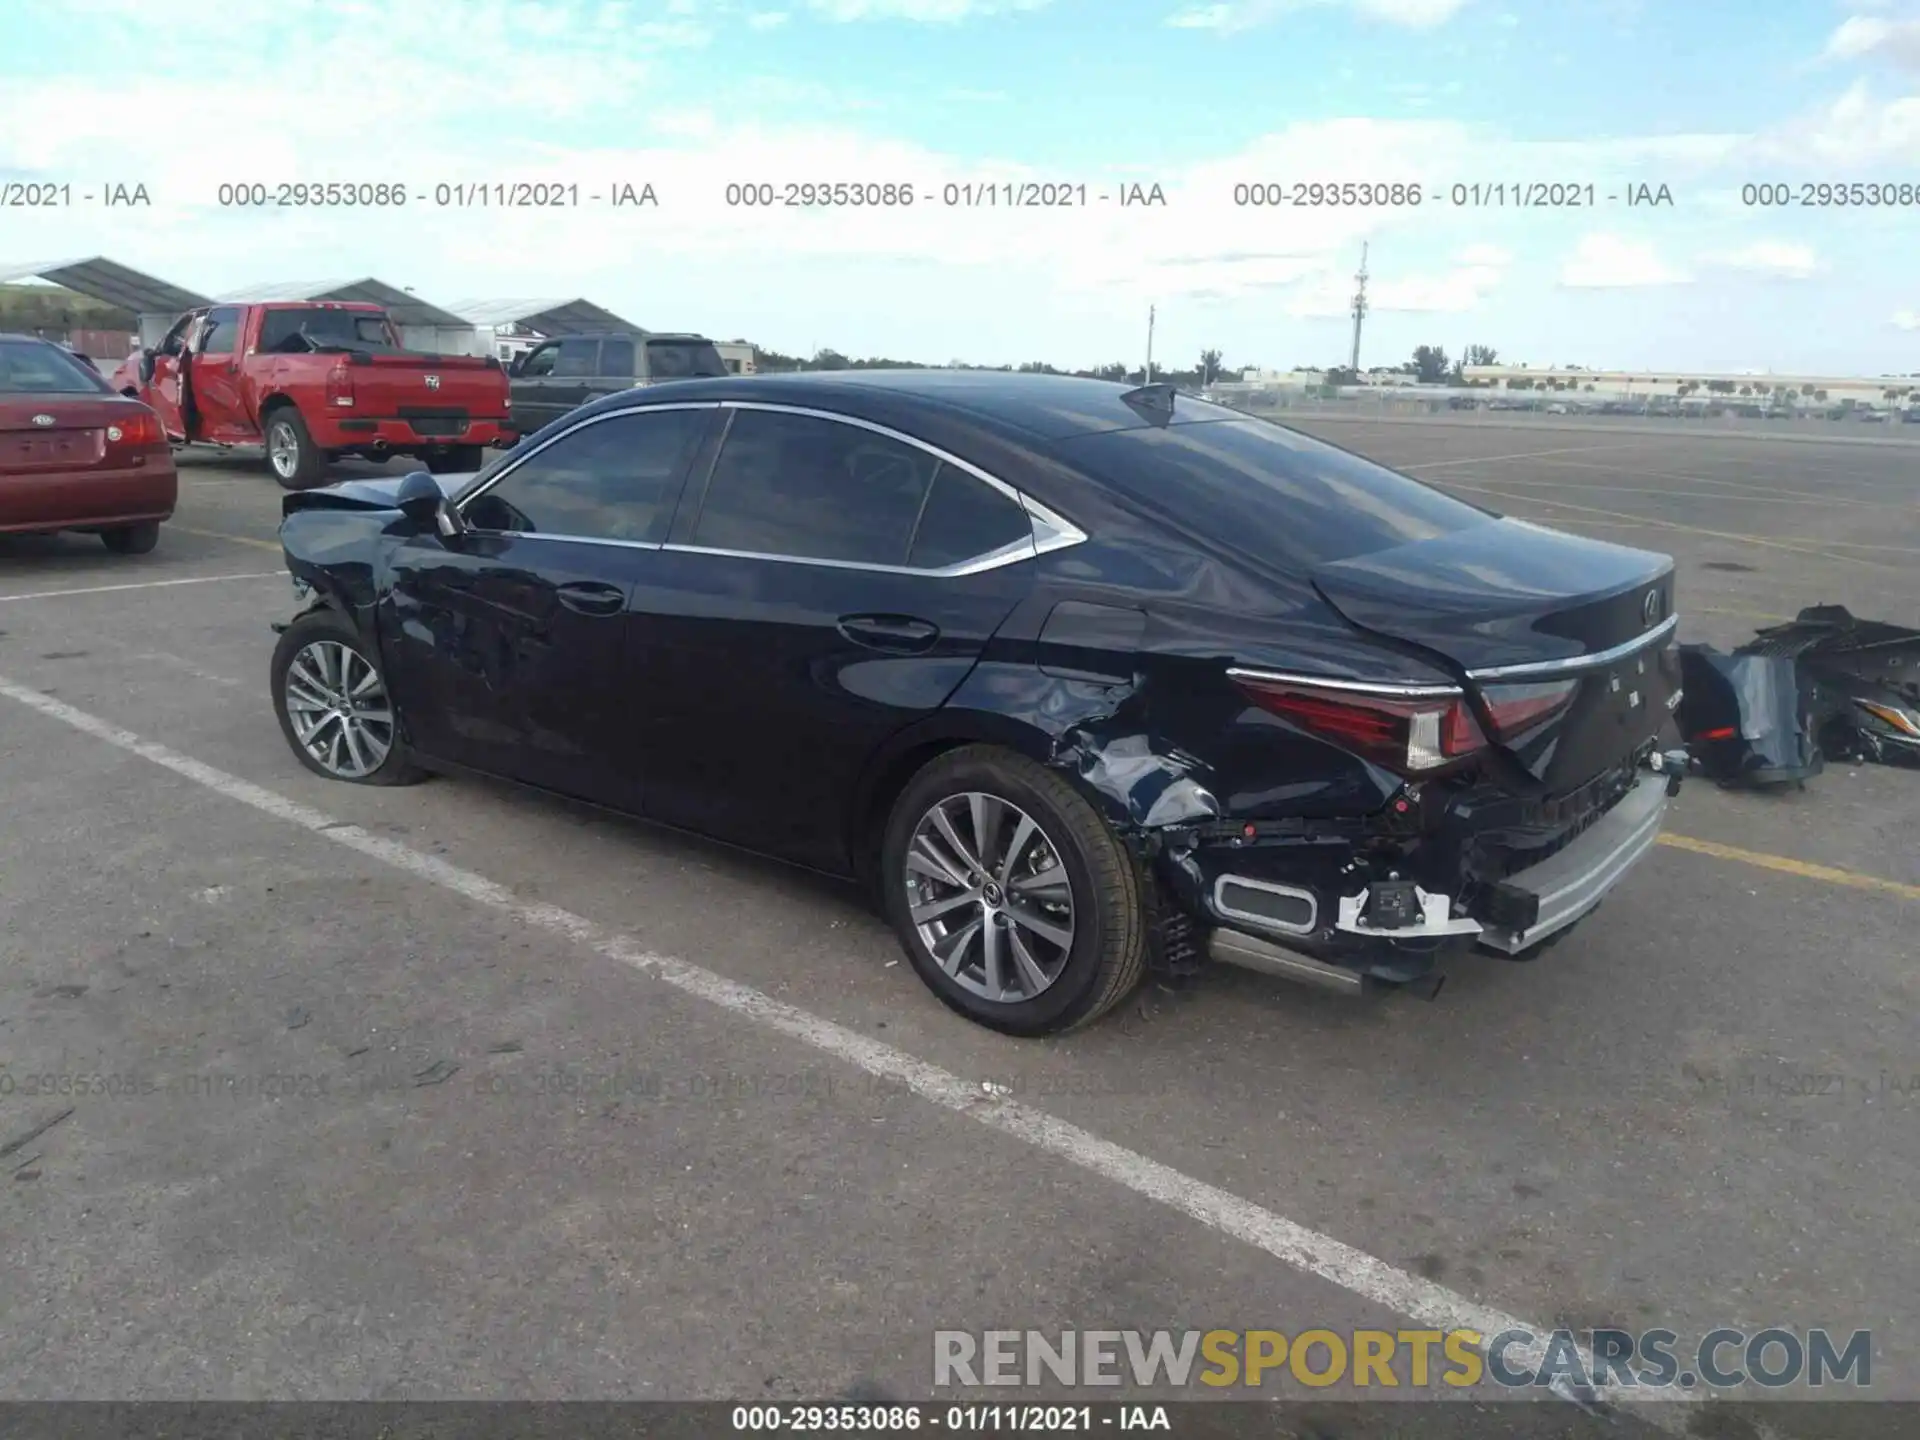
(1269, 491)
(28, 367)
(683, 360)
(295, 332)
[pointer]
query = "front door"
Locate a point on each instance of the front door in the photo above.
(216, 378)
(828, 586)
(162, 391)
(504, 644)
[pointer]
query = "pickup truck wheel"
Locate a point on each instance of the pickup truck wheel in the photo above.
(297, 463)
(456, 459)
(132, 539)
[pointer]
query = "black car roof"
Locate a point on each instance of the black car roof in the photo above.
(1037, 407)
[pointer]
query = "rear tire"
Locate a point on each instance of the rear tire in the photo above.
(456, 460)
(296, 462)
(132, 539)
(321, 659)
(1039, 828)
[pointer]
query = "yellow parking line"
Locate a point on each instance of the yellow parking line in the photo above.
(273, 545)
(1786, 865)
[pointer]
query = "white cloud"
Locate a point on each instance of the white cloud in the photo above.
(1780, 258)
(1329, 293)
(1612, 262)
(1484, 255)
(925, 12)
(1860, 36)
(766, 19)
(1235, 15)
(1854, 132)
(1907, 319)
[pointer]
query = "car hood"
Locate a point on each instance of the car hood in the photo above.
(377, 493)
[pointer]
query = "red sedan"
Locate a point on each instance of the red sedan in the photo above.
(76, 456)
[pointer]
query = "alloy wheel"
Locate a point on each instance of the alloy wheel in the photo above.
(990, 898)
(283, 449)
(339, 709)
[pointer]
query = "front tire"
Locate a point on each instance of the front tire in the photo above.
(331, 700)
(1015, 901)
(132, 539)
(296, 462)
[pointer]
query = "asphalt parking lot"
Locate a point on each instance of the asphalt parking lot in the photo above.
(456, 1091)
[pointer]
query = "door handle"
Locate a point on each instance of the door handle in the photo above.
(901, 634)
(589, 597)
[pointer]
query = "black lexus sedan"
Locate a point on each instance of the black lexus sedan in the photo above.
(1084, 681)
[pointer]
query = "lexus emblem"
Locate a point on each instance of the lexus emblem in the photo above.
(1650, 607)
(43, 419)
(433, 382)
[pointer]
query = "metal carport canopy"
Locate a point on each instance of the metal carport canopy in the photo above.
(548, 317)
(109, 282)
(403, 309)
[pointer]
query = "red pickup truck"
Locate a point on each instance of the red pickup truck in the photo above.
(316, 380)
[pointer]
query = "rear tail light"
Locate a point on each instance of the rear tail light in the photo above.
(1409, 729)
(340, 386)
(1516, 709)
(135, 435)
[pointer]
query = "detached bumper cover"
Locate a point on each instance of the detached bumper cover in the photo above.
(1571, 882)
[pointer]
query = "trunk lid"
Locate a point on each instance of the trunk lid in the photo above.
(380, 493)
(1565, 643)
(43, 434)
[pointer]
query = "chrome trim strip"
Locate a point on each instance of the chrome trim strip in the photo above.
(1577, 663)
(1389, 689)
(1572, 882)
(1049, 532)
(1267, 922)
(575, 539)
(1006, 555)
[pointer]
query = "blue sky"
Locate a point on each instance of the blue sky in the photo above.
(1193, 95)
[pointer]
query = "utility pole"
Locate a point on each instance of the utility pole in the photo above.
(1150, 310)
(1359, 309)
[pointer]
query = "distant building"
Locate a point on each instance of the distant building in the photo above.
(1696, 386)
(738, 355)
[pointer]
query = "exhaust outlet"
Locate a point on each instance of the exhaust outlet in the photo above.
(1263, 957)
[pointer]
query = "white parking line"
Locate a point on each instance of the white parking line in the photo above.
(1307, 1251)
(145, 585)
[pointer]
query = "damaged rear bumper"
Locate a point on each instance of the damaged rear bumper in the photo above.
(1337, 941)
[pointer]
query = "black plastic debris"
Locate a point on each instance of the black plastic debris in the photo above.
(1825, 685)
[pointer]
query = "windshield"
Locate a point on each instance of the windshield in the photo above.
(683, 359)
(1269, 491)
(294, 331)
(32, 367)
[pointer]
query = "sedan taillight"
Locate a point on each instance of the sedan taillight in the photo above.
(1408, 729)
(138, 434)
(1516, 709)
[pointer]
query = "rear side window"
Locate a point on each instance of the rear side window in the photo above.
(1270, 491)
(616, 357)
(32, 367)
(813, 489)
(611, 479)
(683, 359)
(963, 520)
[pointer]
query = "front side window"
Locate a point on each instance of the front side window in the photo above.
(222, 335)
(800, 486)
(577, 358)
(540, 362)
(610, 479)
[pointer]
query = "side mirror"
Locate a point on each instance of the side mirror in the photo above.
(422, 501)
(146, 367)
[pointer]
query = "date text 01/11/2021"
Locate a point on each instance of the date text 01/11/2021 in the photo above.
(1475, 195)
(912, 1418)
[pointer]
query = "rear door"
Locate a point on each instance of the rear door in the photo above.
(825, 584)
(505, 643)
(616, 368)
